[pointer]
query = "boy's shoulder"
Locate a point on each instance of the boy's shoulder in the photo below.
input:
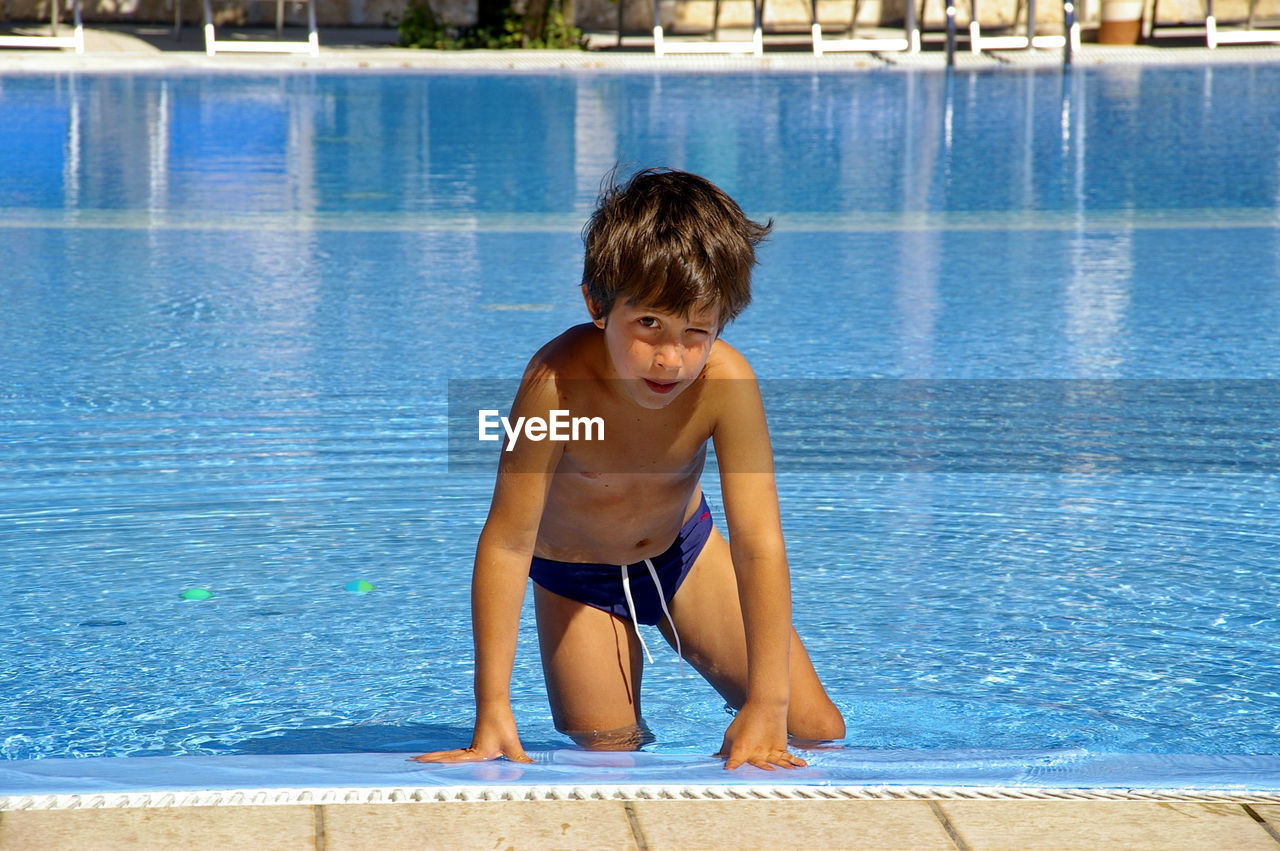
(574, 353)
(727, 362)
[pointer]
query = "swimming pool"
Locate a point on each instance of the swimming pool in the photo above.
(1030, 316)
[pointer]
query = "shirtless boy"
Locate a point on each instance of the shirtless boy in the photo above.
(615, 530)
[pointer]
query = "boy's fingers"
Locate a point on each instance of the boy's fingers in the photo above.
(469, 755)
(783, 759)
(459, 755)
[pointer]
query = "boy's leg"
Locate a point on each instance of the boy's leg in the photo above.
(713, 638)
(592, 665)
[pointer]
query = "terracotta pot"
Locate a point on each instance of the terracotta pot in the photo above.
(1121, 22)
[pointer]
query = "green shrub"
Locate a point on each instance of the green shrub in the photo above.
(420, 27)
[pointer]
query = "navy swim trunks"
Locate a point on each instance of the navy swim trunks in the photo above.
(602, 586)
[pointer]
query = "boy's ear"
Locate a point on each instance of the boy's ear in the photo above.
(593, 307)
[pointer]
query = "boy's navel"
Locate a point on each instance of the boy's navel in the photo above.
(642, 543)
(590, 475)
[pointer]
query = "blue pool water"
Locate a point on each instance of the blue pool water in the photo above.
(231, 308)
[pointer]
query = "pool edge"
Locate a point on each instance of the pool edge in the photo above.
(325, 796)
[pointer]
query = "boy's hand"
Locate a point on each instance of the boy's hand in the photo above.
(758, 736)
(493, 737)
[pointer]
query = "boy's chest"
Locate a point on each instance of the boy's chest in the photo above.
(643, 442)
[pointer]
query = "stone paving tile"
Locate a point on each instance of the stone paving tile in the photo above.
(161, 829)
(865, 825)
(1269, 813)
(1113, 825)
(478, 824)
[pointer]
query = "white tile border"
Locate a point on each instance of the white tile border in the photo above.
(325, 796)
(389, 58)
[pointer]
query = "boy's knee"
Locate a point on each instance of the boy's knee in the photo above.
(629, 738)
(824, 724)
(832, 725)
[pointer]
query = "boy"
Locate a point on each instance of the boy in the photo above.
(614, 531)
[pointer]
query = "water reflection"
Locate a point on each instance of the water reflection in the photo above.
(231, 304)
(992, 209)
(538, 143)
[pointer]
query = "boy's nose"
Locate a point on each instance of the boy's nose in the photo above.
(669, 357)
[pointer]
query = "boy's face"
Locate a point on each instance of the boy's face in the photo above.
(658, 354)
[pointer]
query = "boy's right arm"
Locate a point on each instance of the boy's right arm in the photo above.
(499, 579)
(497, 592)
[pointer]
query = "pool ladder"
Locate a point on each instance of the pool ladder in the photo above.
(661, 46)
(1069, 41)
(910, 42)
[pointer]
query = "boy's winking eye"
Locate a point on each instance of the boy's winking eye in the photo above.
(694, 326)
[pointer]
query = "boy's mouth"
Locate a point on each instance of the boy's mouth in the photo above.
(662, 387)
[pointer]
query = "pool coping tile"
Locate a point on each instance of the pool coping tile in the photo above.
(656, 824)
(132, 48)
(161, 828)
(1114, 825)
(1268, 818)
(476, 824)
(865, 825)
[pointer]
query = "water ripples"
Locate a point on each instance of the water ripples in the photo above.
(235, 380)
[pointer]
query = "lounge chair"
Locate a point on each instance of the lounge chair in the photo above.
(213, 45)
(910, 42)
(755, 47)
(75, 41)
(1214, 36)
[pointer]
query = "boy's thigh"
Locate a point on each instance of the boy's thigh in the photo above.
(708, 617)
(592, 664)
(708, 621)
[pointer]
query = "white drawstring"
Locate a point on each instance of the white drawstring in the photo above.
(662, 599)
(631, 607)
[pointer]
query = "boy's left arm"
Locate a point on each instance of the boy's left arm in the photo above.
(758, 735)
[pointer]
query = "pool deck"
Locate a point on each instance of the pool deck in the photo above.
(950, 819)
(920, 824)
(154, 48)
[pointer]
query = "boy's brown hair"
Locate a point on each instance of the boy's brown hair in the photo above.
(670, 240)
